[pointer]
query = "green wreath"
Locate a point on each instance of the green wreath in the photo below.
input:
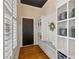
(52, 26)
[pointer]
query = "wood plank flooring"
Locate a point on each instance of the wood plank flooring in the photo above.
(32, 52)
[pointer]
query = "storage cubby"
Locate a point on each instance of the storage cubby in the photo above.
(62, 12)
(62, 28)
(72, 28)
(71, 8)
(62, 45)
(71, 49)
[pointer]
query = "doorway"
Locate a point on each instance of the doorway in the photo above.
(27, 30)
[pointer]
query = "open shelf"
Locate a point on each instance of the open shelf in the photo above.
(71, 38)
(62, 28)
(72, 28)
(62, 36)
(62, 12)
(71, 8)
(62, 45)
(62, 20)
(71, 49)
(71, 18)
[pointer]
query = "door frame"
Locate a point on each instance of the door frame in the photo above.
(22, 30)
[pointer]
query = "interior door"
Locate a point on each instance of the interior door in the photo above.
(27, 31)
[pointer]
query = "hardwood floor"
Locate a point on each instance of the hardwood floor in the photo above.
(32, 52)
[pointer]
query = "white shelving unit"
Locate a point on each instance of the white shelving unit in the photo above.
(66, 27)
(10, 23)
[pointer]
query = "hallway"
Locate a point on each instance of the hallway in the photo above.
(32, 52)
(48, 25)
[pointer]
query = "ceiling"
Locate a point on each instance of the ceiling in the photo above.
(36, 3)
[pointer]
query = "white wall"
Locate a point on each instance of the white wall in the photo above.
(49, 8)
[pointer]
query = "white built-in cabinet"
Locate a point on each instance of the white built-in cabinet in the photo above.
(43, 29)
(10, 27)
(46, 37)
(66, 27)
